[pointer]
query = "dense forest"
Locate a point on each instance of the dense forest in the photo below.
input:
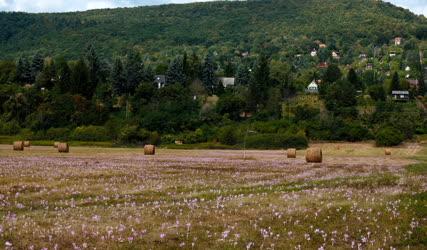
(94, 76)
(282, 27)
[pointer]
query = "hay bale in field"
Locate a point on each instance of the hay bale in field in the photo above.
(314, 155)
(56, 144)
(149, 150)
(18, 146)
(27, 144)
(387, 152)
(291, 153)
(63, 148)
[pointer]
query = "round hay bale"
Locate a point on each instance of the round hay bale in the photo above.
(314, 155)
(27, 144)
(18, 146)
(63, 148)
(149, 150)
(387, 152)
(291, 153)
(56, 144)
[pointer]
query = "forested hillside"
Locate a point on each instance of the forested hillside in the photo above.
(299, 70)
(279, 26)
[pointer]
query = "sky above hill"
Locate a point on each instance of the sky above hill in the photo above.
(416, 6)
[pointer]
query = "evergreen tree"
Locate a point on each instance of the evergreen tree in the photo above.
(340, 98)
(134, 68)
(242, 75)
(80, 78)
(229, 69)
(422, 85)
(185, 65)
(63, 76)
(332, 74)
(208, 74)
(395, 82)
(194, 66)
(23, 70)
(94, 67)
(36, 66)
(46, 78)
(354, 79)
(175, 72)
(118, 78)
(259, 85)
(148, 74)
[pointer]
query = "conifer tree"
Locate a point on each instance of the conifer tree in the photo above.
(94, 68)
(118, 78)
(208, 74)
(395, 82)
(175, 72)
(36, 66)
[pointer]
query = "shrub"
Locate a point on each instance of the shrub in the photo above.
(154, 138)
(167, 139)
(90, 133)
(9, 128)
(129, 134)
(26, 134)
(228, 136)
(353, 132)
(389, 136)
(60, 134)
(197, 136)
(275, 141)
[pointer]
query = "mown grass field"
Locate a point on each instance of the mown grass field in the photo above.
(115, 198)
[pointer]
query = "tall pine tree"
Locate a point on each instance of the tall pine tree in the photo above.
(134, 68)
(259, 84)
(354, 79)
(395, 82)
(118, 78)
(175, 73)
(242, 75)
(37, 65)
(208, 75)
(23, 70)
(94, 69)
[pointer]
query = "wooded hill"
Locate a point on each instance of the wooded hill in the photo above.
(280, 27)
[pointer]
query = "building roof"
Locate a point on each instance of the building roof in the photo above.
(227, 81)
(400, 92)
(313, 84)
(160, 78)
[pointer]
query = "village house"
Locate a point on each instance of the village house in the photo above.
(313, 53)
(323, 46)
(323, 65)
(400, 95)
(369, 66)
(398, 41)
(336, 55)
(227, 81)
(414, 83)
(160, 81)
(313, 88)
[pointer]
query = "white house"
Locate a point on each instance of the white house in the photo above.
(408, 68)
(313, 88)
(160, 81)
(227, 81)
(313, 53)
(336, 55)
(398, 41)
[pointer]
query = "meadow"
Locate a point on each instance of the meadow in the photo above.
(116, 198)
